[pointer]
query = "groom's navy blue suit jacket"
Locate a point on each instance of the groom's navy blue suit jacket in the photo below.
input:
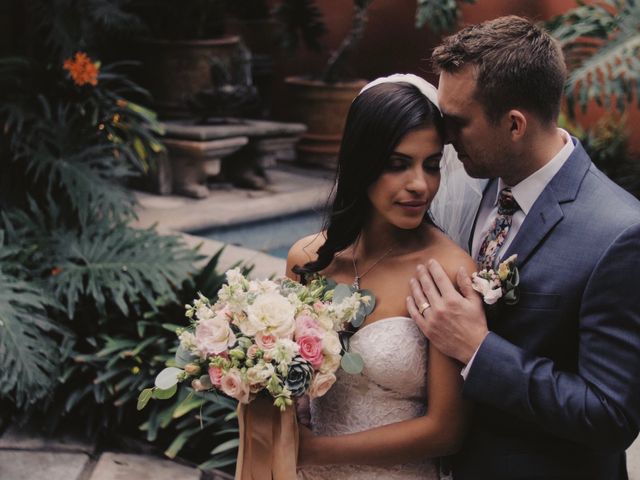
(557, 380)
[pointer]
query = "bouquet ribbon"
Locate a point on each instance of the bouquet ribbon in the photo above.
(268, 447)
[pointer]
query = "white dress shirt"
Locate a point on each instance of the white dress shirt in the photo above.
(525, 193)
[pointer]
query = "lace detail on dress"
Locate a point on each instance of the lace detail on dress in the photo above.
(391, 388)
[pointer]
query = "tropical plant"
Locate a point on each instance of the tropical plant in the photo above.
(601, 41)
(607, 143)
(70, 139)
(175, 20)
(439, 15)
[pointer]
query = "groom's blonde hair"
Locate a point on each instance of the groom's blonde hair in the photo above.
(518, 65)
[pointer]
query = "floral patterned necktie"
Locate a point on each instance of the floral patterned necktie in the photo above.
(497, 234)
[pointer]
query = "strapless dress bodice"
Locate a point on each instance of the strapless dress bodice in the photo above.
(391, 388)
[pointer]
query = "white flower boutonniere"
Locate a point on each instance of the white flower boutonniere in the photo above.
(502, 284)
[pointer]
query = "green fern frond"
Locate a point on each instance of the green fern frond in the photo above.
(117, 266)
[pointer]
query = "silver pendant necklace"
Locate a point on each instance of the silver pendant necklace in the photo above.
(358, 277)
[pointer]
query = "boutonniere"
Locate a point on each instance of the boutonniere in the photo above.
(502, 284)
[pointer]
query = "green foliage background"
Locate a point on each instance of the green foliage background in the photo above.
(88, 304)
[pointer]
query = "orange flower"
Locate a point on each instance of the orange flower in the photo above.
(82, 69)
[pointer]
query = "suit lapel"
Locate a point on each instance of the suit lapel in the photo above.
(543, 216)
(547, 212)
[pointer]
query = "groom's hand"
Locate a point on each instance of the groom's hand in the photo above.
(454, 322)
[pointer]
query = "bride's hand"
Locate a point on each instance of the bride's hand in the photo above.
(303, 411)
(306, 448)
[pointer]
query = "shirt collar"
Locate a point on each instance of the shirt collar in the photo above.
(528, 190)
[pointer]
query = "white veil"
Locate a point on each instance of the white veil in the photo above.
(454, 207)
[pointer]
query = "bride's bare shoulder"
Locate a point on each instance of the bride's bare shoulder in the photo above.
(303, 251)
(451, 256)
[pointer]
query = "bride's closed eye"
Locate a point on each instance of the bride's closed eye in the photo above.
(399, 163)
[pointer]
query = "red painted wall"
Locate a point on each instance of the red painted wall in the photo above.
(392, 44)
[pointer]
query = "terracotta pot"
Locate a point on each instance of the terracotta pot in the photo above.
(323, 108)
(173, 71)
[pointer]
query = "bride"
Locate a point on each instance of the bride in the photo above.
(405, 410)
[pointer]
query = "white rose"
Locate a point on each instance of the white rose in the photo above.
(243, 323)
(331, 343)
(273, 313)
(321, 384)
(214, 336)
(492, 296)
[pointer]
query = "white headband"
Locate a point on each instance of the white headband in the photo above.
(420, 83)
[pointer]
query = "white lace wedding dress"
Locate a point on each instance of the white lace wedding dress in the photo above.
(392, 388)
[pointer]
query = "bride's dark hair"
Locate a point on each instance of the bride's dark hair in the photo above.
(378, 119)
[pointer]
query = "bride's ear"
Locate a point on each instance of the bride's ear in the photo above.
(517, 124)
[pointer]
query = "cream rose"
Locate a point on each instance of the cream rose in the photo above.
(214, 336)
(321, 384)
(330, 363)
(331, 343)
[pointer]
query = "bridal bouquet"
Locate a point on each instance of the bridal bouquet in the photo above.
(278, 337)
(261, 340)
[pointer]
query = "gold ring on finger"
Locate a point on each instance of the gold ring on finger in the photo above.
(423, 307)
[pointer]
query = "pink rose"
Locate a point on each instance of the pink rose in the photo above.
(311, 350)
(232, 384)
(266, 341)
(307, 326)
(321, 384)
(252, 351)
(215, 374)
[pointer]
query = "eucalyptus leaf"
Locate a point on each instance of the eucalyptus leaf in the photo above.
(165, 394)
(510, 296)
(144, 397)
(183, 357)
(330, 284)
(359, 318)
(344, 340)
(341, 292)
(372, 301)
(352, 363)
(167, 378)
(516, 277)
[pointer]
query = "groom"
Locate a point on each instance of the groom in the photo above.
(555, 377)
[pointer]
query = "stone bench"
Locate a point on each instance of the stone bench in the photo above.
(236, 150)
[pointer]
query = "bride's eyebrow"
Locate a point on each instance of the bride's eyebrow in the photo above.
(433, 155)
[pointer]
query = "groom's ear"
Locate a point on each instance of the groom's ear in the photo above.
(517, 124)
